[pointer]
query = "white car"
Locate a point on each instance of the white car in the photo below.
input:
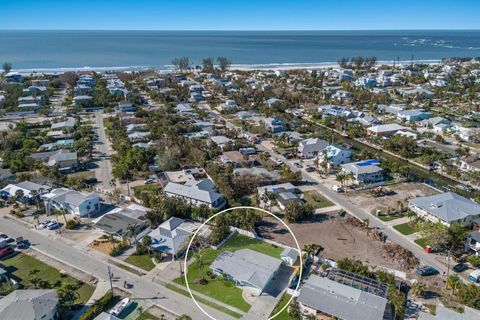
(53, 225)
(337, 188)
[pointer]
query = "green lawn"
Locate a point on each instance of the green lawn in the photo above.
(422, 242)
(389, 217)
(316, 200)
(218, 288)
(143, 261)
(404, 228)
(284, 315)
(147, 316)
(20, 265)
(205, 302)
(137, 191)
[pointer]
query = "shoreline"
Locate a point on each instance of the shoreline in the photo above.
(239, 67)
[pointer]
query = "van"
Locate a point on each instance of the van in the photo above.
(475, 276)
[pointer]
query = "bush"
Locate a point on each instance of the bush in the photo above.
(98, 307)
(474, 261)
(72, 224)
(116, 250)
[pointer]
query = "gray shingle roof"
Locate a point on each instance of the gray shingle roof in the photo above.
(28, 304)
(247, 266)
(339, 300)
(200, 191)
(447, 206)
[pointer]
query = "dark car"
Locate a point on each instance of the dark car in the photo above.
(460, 267)
(6, 251)
(426, 271)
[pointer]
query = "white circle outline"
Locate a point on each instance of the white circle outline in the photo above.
(185, 265)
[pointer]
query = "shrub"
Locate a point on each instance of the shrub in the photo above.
(116, 250)
(98, 307)
(72, 224)
(474, 261)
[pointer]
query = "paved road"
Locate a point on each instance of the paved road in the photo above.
(393, 236)
(143, 288)
(102, 154)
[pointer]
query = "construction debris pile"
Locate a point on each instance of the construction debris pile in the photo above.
(402, 256)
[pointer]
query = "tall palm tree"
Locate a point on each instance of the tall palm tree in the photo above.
(132, 230)
(200, 262)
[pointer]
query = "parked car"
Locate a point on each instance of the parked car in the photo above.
(337, 188)
(459, 267)
(44, 223)
(6, 251)
(426, 271)
(310, 169)
(297, 164)
(6, 238)
(149, 181)
(53, 225)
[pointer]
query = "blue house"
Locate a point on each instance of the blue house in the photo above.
(414, 115)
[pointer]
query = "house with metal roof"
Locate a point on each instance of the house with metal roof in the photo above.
(196, 193)
(76, 203)
(385, 130)
(312, 147)
(172, 236)
(447, 208)
(66, 124)
(326, 298)
(64, 159)
(247, 268)
(289, 256)
(365, 171)
(27, 187)
(29, 305)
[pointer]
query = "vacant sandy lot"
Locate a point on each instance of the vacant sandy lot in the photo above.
(339, 239)
(402, 192)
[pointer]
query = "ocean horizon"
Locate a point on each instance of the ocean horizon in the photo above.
(45, 50)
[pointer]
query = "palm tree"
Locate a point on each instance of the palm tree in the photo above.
(341, 178)
(454, 282)
(63, 212)
(418, 289)
(200, 262)
(19, 195)
(132, 230)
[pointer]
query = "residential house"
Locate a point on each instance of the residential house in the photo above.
(184, 108)
(196, 193)
(365, 172)
(76, 203)
(470, 164)
(260, 172)
(237, 159)
(29, 304)
(385, 130)
(438, 124)
(64, 159)
(82, 100)
(249, 269)
(336, 155)
(312, 147)
(335, 111)
(414, 115)
(126, 107)
(275, 125)
(221, 141)
(6, 175)
(348, 299)
(447, 208)
(37, 90)
(69, 123)
(472, 243)
(172, 236)
(272, 102)
(29, 189)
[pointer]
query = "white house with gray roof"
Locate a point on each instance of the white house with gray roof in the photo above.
(311, 147)
(196, 193)
(29, 305)
(447, 208)
(325, 299)
(365, 172)
(77, 203)
(247, 268)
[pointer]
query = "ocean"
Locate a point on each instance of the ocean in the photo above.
(54, 50)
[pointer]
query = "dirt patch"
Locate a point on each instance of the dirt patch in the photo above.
(157, 312)
(401, 192)
(338, 238)
(103, 245)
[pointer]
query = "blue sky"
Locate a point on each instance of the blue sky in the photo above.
(239, 14)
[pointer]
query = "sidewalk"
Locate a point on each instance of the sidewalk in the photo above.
(100, 290)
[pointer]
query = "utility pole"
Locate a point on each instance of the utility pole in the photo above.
(110, 278)
(448, 266)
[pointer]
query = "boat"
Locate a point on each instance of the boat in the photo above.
(120, 306)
